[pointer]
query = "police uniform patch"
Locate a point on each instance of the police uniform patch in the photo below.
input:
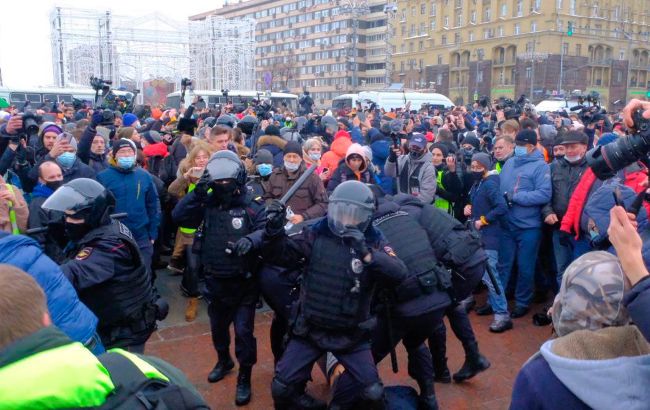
(389, 251)
(357, 265)
(84, 253)
(237, 223)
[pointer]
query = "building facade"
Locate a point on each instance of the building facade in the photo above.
(329, 48)
(470, 48)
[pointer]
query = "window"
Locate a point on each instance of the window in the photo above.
(412, 11)
(504, 9)
(519, 11)
(459, 20)
(529, 72)
(433, 25)
(421, 46)
(439, 59)
(472, 17)
(423, 9)
(445, 22)
(530, 46)
(487, 15)
(533, 26)
(470, 36)
(619, 76)
(457, 38)
(572, 7)
(443, 40)
(479, 76)
(517, 29)
(565, 48)
(500, 31)
(621, 55)
(578, 49)
(423, 29)
(403, 30)
(401, 68)
(403, 16)
(537, 4)
(411, 47)
(558, 5)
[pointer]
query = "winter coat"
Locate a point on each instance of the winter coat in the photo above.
(601, 370)
(19, 206)
(488, 202)
(77, 170)
(528, 180)
(637, 302)
(135, 194)
(310, 200)
(344, 173)
(338, 149)
(380, 151)
(426, 175)
(67, 312)
(275, 145)
(564, 179)
(451, 187)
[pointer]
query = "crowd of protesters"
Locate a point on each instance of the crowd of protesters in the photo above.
(517, 178)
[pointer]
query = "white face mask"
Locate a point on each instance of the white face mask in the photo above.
(573, 159)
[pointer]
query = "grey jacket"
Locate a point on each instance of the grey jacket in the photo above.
(426, 175)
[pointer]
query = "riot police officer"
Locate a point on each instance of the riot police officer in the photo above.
(104, 265)
(224, 212)
(344, 258)
(419, 303)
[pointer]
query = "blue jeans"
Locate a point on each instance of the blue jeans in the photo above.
(522, 244)
(498, 302)
(567, 253)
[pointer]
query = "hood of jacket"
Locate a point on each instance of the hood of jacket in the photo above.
(279, 142)
(356, 149)
(380, 151)
(606, 369)
(340, 146)
(156, 150)
(534, 156)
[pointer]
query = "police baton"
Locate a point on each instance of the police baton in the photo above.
(386, 299)
(296, 186)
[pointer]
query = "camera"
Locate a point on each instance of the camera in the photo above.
(608, 159)
(30, 123)
(186, 82)
(225, 92)
(99, 84)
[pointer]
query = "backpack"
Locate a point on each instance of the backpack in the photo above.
(134, 390)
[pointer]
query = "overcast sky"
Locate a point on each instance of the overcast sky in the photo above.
(25, 52)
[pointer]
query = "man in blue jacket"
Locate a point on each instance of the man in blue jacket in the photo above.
(526, 185)
(68, 313)
(135, 194)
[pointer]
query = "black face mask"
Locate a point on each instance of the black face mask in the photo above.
(75, 232)
(53, 185)
(223, 194)
(477, 176)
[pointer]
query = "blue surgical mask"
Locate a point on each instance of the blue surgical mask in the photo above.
(126, 162)
(264, 169)
(66, 160)
(314, 156)
(520, 151)
(291, 167)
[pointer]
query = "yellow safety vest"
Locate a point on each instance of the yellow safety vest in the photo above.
(189, 231)
(12, 213)
(441, 203)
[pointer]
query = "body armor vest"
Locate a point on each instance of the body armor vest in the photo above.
(331, 287)
(127, 299)
(221, 230)
(411, 243)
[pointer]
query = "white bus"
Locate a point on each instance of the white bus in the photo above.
(238, 97)
(38, 95)
(391, 99)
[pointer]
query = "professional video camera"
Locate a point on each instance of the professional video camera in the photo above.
(589, 108)
(511, 109)
(30, 127)
(606, 160)
(262, 109)
(186, 82)
(100, 84)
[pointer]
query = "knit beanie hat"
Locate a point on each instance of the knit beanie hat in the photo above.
(129, 119)
(470, 138)
(263, 156)
(442, 147)
(272, 130)
(152, 137)
(122, 143)
(591, 294)
(292, 147)
(483, 159)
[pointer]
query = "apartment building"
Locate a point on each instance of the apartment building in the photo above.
(469, 48)
(310, 44)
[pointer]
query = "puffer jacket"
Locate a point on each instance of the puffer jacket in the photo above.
(68, 313)
(338, 149)
(528, 180)
(275, 145)
(310, 200)
(426, 175)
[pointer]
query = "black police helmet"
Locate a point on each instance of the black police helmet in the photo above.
(351, 205)
(226, 165)
(83, 198)
(247, 124)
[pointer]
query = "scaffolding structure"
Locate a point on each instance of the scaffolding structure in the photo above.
(222, 53)
(125, 50)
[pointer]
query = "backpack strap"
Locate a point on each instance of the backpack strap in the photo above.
(123, 371)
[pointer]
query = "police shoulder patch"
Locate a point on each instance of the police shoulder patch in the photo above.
(84, 253)
(389, 251)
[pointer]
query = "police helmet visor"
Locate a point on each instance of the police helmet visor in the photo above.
(223, 168)
(342, 216)
(64, 199)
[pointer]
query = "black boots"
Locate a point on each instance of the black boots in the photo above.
(243, 394)
(224, 365)
(427, 400)
(475, 363)
(441, 371)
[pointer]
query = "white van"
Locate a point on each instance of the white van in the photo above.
(391, 100)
